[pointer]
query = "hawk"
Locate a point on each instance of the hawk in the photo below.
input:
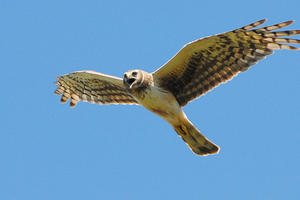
(197, 68)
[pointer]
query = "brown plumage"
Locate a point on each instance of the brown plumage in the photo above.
(92, 87)
(205, 63)
(196, 69)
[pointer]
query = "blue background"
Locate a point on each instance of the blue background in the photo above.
(49, 151)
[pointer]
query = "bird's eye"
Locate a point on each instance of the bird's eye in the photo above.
(134, 74)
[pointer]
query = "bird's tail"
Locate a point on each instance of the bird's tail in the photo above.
(198, 143)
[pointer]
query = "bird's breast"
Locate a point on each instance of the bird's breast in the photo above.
(161, 102)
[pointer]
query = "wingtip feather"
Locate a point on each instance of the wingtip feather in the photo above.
(262, 20)
(289, 22)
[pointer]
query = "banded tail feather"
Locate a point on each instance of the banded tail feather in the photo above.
(197, 142)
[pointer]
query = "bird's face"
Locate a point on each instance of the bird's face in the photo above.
(133, 79)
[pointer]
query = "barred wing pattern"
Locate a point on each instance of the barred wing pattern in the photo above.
(205, 63)
(92, 87)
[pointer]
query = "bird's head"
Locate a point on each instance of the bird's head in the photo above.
(134, 79)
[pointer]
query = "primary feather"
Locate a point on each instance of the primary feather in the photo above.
(205, 63)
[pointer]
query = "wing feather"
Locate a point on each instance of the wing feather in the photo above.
(92, 87)
(205, 63)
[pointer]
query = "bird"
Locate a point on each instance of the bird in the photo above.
(197, 68)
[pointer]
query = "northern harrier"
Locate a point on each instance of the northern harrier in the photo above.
(196, 69)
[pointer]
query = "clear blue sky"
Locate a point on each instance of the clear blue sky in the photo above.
(49, 151)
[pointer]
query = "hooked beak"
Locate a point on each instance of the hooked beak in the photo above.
(128, 81)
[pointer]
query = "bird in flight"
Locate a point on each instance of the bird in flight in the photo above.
(197, 68)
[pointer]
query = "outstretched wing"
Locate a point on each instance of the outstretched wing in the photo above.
(205, 63)
(92, 87)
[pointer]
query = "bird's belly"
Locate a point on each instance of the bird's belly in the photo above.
(161, 103)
